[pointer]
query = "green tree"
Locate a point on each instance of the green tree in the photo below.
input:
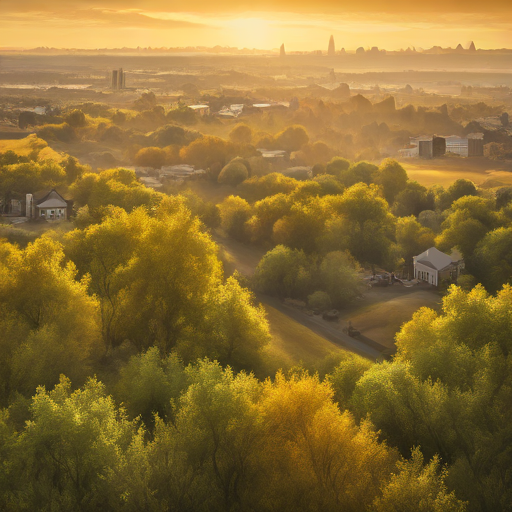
(66, 456)
(493, 259)
(412, 238)
(234, 213)
(206, 152)
(344, 377)
(284, 272)
(113, 187)
(468, 220)
(329, 184)
(74, 170)
(292, 138)
(257, 188)
(304, 224)
(150, 384)
(150, 157)
(75, 118)
(39, 293)
(169, 278)
(412, 200)
(319, 301)
(393, 179)
(241, 134)
(336, 166)
(418, 487)
(361, 224)
(235, 329)
(218, 426)
(447, 390)
(102, 252)
(265, 214)
(339, 275)
(461, 188)
(233, 174)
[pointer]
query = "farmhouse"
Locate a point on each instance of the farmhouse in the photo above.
(432, 266)
(47, 205)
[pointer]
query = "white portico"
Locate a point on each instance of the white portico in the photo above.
(432, 266)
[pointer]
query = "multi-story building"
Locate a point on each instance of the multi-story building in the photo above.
(436, 146)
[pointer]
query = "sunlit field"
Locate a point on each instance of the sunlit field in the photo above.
(293, 343)
(445, 172)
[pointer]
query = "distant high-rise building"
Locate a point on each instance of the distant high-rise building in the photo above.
(282, 53)
(118, 79)
(114, 79)
(331, 50)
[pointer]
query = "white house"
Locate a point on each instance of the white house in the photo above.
(432, 266)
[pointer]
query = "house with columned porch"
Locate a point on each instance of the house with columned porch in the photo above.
(433, 266)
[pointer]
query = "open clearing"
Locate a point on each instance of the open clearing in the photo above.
(445, 171)
(384, 310)
(293, 343)
(378, 316)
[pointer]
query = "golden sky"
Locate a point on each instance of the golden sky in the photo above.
(300, 24)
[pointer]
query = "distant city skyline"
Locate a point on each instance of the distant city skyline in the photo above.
(300, 25)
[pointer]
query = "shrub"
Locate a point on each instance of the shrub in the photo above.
(233, 174)
(150, 157)
(319, 301)
(75, 118)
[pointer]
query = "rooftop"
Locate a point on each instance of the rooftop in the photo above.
(433, 258)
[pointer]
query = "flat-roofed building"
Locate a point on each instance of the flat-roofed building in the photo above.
(202, 110)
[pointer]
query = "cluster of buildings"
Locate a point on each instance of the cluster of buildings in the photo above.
(436, 146)
(155, 179)
(237, 109)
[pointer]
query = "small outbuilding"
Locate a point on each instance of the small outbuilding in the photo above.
(432, 266)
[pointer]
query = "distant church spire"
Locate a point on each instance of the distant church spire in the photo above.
(331, 50)
(282, 53)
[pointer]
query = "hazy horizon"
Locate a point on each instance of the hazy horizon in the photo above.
(301, 26)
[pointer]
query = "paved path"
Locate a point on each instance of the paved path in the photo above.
(366, 348)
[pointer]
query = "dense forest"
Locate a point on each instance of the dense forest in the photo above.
(134, 370)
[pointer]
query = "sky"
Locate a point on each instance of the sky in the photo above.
(265, 24)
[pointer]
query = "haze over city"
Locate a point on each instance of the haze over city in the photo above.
(265, 25)
(255, 256)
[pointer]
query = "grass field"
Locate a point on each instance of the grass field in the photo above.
(447, 170)
(384, 310)
(292, 343)
(23, 234)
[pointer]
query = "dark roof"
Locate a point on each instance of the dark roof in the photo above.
(43, 195)
(427, 264)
